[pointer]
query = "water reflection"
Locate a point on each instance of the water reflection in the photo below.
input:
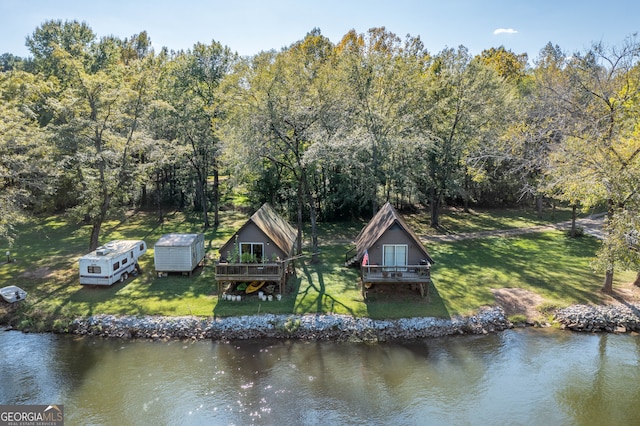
(515, 377)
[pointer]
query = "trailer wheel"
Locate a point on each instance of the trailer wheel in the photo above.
(126, 276)
(122, 278)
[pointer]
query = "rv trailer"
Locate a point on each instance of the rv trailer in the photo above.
(111, 262)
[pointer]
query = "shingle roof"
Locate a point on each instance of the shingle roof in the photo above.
(379, 224)
(275, 227)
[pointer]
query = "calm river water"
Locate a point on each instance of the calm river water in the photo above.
(517, 377)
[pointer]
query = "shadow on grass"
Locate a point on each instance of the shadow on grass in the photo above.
(313, 298)
(252, 305)
(550, 264)
(399, 301)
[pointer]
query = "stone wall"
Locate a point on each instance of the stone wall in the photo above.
(617, 318)
(306, 327)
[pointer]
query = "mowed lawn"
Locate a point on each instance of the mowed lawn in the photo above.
(46, 252)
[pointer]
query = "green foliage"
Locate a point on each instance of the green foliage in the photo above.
(330, 131)
(518, 319)
(548, 264)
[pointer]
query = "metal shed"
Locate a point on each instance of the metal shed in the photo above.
(178, 253)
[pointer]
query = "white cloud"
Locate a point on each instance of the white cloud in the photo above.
(504, 31)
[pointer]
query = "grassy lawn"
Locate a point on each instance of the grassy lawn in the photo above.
(47, 251)
(456, 220)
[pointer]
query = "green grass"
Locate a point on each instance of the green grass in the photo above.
(549, 264)
(455, 220)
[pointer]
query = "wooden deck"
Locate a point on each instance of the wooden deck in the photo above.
(419, 275)
(396, 274)
(249, 272)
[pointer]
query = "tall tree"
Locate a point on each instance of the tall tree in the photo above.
(26, 167)
(96, 125)
(464, 110)
(598, 161)
(539, 124)
(380, 77)
(281, 102)
(192, 92)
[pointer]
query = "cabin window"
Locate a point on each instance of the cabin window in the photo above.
(116, 266)
(394, 254)
(94, 269)
(252, 251)
(124, 261)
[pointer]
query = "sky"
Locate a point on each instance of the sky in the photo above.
(250, 26)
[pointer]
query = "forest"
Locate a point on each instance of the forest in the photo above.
(91, 126)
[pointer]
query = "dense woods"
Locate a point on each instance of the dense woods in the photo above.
(93, 125)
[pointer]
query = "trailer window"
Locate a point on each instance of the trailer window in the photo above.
(94, 269)
(142, 247)
(116, 266)
(124, 261)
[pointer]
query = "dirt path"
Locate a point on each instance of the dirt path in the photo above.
(592, 225)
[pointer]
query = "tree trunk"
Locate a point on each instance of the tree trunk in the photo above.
(202, 189)
(608, 282)
(299, 248)
(313, 218)
(95, 235)
(435, 208)
(637, 281)
(573, 221)
(94, 241)
(608, 277)
(539, 200)
(216, 197)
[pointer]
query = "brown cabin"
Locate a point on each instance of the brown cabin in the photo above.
(395, 254)
(259, 251)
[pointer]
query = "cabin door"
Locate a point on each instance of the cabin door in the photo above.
(395, 255)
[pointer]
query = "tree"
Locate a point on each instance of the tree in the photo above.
(539, 125)
(598, 160)
(280, 103)
(381, 95)
(26, 167)
(460, 121)
(195, 109)
(96, 123)
(72, 37)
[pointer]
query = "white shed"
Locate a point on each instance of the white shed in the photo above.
(178, 252)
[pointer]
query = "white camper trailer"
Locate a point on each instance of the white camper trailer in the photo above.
(178, 253)
(111, 262)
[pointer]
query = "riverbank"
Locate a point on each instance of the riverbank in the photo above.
(301, 327)
(617, 318)
(613, 318)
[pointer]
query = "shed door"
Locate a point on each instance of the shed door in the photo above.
(394, 254)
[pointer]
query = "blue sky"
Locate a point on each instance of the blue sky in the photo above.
(251, 26)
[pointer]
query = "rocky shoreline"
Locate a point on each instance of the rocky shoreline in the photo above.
(302, 327)
(617, 318)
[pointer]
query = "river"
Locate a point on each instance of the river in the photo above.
(516, 377)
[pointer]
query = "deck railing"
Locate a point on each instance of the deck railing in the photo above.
(399, 274)
(249, 271)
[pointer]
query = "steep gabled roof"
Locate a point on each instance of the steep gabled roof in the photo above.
(386, 217)
(275, 227)
(272, 226)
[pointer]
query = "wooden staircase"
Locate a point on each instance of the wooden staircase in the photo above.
(351, 258)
